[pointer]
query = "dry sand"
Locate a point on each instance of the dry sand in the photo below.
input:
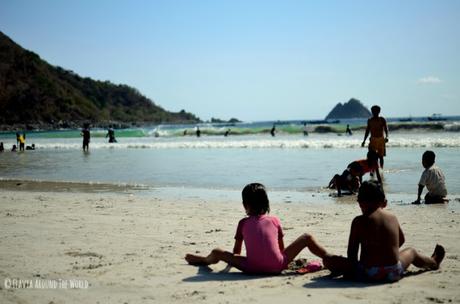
(130, 248)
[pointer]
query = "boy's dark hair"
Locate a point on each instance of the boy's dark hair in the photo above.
(375, 109)
(255, 199)
(355, 166)
(371, 192)
(429, 157)
(372, 157)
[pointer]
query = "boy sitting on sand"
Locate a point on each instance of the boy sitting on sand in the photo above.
(433, 179)
(379, 235)
(352, 176)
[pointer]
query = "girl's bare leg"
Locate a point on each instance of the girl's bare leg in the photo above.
(215, 256)
(305, 240)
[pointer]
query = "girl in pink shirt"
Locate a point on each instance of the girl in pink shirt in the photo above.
(263, 238)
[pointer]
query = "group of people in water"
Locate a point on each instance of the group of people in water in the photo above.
(86, 134)
(376, 233)
(20, 142)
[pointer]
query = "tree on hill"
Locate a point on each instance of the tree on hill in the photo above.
(35, 92)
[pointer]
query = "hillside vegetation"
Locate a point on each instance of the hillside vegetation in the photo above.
(39, 95)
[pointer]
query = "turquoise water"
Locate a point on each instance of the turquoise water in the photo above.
(284, 163)
(290, 164)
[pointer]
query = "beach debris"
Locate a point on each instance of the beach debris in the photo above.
(297, 264)
(302, 266)
(213, 230)
(83, 254)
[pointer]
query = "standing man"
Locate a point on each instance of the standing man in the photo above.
(273, 130)
(86, 136)
(22, 141)
(377, 125)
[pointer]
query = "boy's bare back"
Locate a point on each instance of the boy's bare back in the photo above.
(380, 237)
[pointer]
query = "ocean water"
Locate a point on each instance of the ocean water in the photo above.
(287, 162)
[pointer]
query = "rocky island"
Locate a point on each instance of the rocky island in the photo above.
(351, 109)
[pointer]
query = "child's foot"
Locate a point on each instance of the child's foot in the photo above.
(195, 260)
(438, 255)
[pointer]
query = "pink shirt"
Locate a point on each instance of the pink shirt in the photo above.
(261, 236)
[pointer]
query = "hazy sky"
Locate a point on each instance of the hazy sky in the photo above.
(255, 60)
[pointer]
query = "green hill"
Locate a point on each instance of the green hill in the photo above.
(37, 94)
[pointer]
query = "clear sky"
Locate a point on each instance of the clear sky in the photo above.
(255, 60)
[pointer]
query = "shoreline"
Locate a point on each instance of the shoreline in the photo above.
(306, 197)
(314, 127)
(129, 247)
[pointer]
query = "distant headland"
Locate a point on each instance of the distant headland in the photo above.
(351, 109)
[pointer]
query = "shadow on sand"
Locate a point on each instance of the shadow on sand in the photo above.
(206, 274)
(330, 281)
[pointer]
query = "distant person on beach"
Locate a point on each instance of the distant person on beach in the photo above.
(377, 235)
(305, 129)
(433, 179)
(348, 130)
(352, 176)
(32, 147)
(185, 132)
(86, 137)
(376, 126)
(273, 130)
(263, 238)
(1, 147)
(17, 138)
(22, 141)
(14, 148)
(198, 132)
(227, 133)
(111, 135)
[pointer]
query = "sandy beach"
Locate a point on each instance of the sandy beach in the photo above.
(129, 248)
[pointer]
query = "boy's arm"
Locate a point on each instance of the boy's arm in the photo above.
(385, 128)
(237, 247)
(419, 193)
(353, 241)
(365, 134)
(402, 239)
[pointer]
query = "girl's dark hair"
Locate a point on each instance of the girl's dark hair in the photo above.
(371, 192)
(255, 199)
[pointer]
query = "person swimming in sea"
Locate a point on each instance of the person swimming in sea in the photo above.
(111, 135)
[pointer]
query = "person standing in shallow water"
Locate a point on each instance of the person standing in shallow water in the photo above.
(198, 132)
(22, 141)
(86, 137)
(305, 129)
(348, 130)
(111, 135)
(376, 126)
(273, 130)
